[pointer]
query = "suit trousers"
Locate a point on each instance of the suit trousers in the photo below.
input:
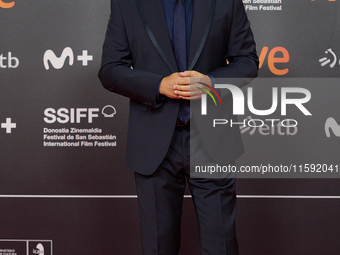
(160, 199)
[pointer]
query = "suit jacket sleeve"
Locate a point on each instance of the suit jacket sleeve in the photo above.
(116, 72)
(241, 51)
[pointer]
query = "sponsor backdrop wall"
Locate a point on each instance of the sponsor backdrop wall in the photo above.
(64, 188)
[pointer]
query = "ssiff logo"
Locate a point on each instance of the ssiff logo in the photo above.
(6, 5)
(109, 111)
(77, 115)
(58, 62)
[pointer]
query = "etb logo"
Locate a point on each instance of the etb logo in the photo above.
(8, 61)
(50, 58)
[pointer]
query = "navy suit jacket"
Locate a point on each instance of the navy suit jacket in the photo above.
(133, 67)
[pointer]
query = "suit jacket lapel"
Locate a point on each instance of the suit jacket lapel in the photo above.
(203, 13)
(154, 15)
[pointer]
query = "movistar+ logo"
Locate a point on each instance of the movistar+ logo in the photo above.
(331, 124)
(58, 62)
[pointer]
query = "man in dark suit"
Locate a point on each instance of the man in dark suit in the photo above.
(141, 61)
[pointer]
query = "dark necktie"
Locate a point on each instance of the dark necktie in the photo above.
(181, 52)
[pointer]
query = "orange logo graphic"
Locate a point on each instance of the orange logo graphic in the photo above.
(6, 5)
(273, 59)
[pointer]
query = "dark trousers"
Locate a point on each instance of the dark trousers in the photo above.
(160, 198)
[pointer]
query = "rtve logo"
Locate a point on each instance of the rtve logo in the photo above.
(6, 5)
(275, 55)
(58, 62)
